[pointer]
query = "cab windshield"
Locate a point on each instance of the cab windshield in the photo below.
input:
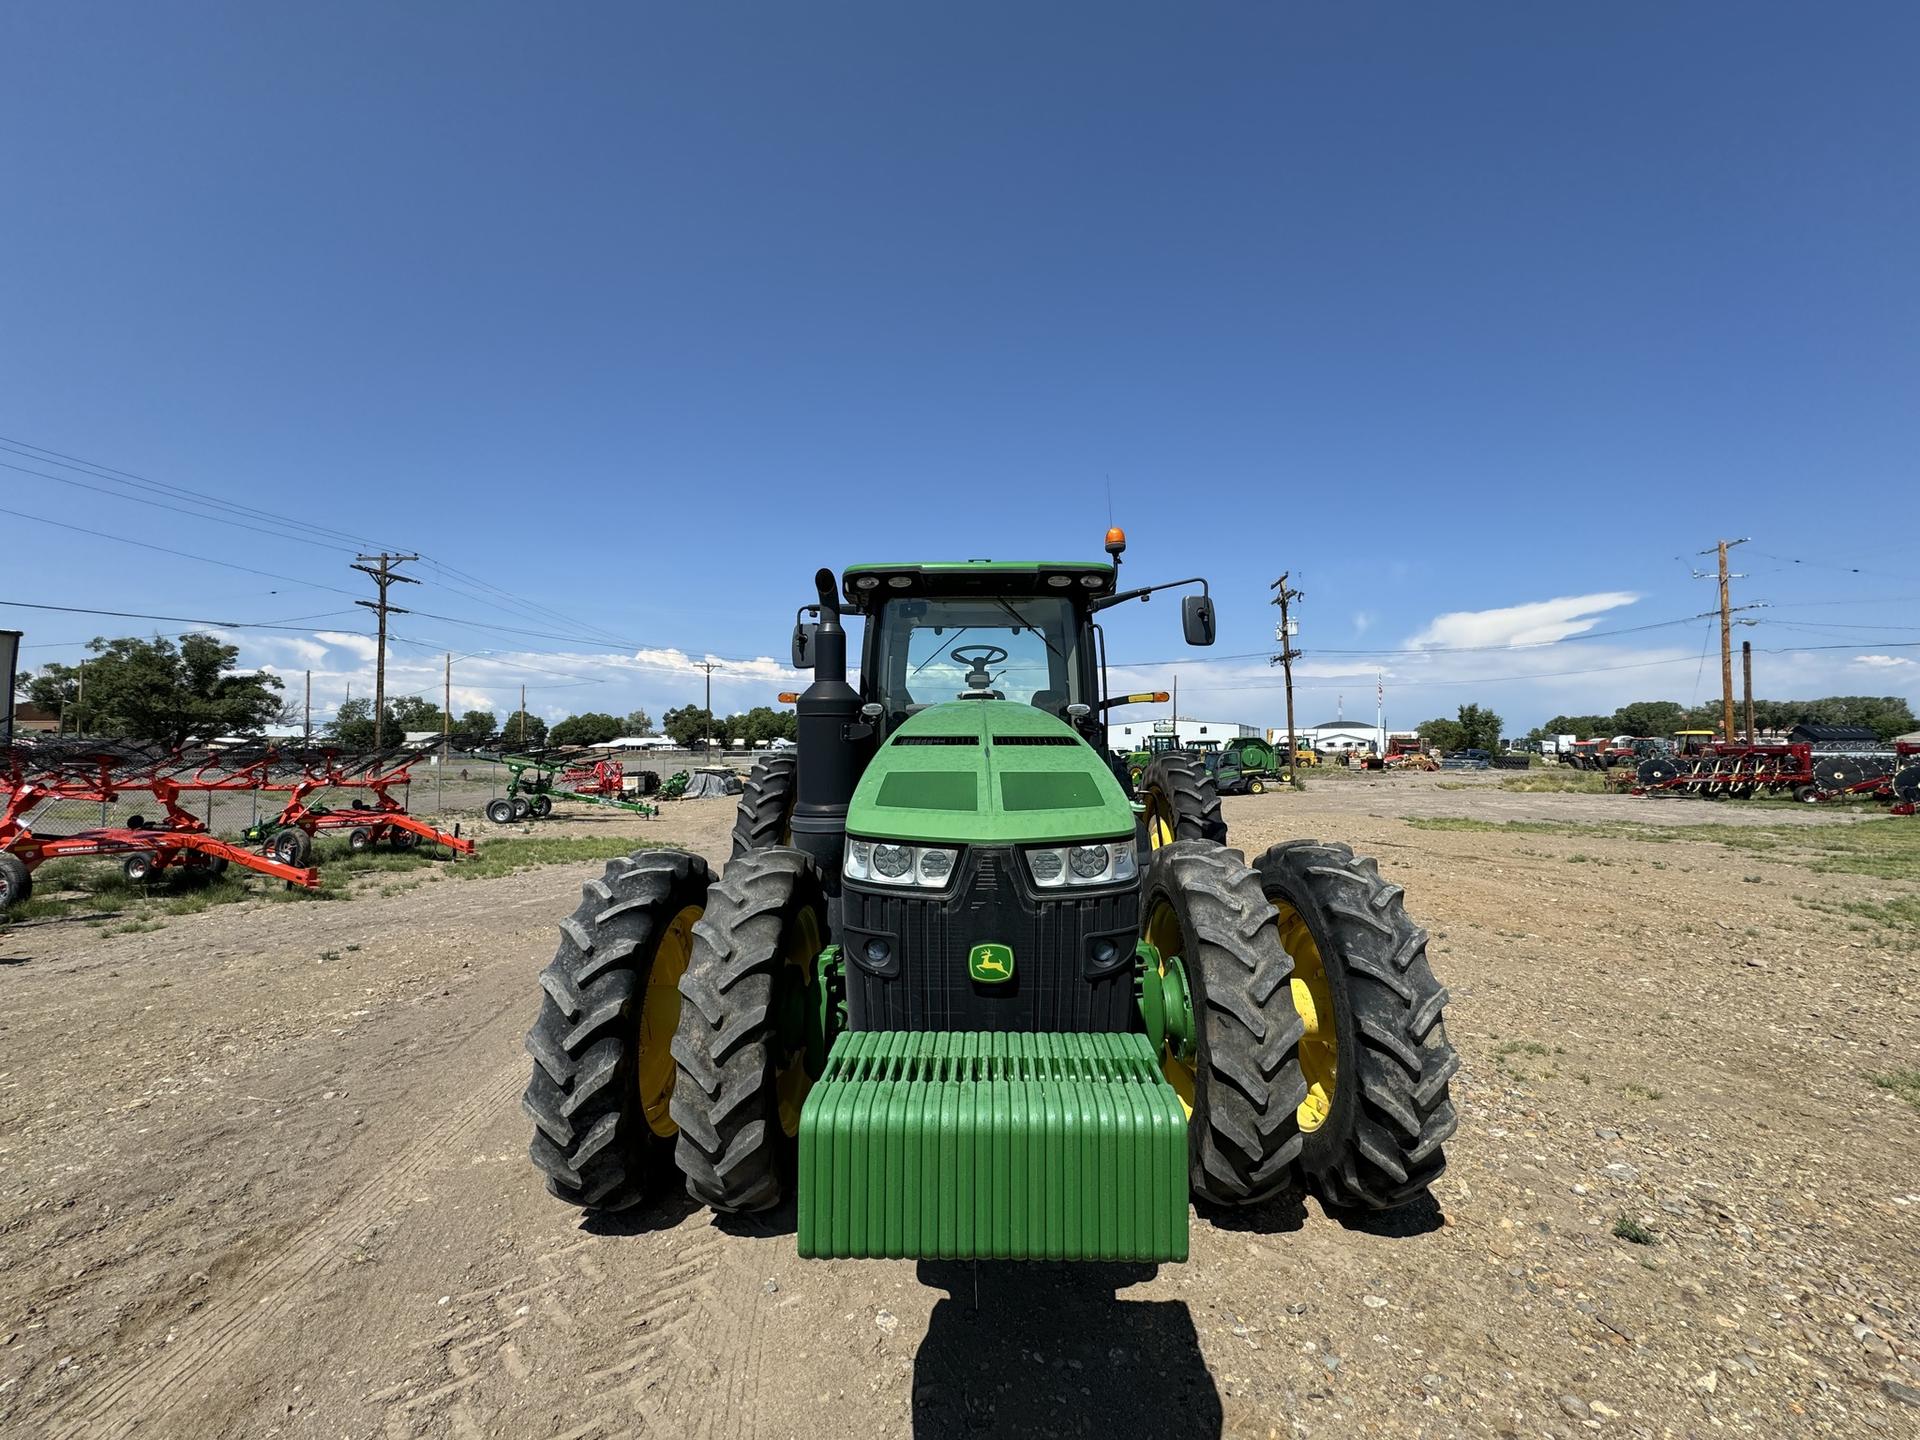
(1022, 648)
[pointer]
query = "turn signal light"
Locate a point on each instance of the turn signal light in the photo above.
(788, 697)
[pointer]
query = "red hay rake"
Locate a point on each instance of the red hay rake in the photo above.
(289, 834)
(105, 772)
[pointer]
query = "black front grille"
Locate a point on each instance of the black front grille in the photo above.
(1034, 740)
(936, 739)
(1060, 981)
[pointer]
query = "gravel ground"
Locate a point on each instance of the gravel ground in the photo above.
(263, 1172)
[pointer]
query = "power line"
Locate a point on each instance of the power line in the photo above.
(334, 539)
(168, 550)
(102, 471)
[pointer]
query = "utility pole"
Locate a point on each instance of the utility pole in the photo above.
(446, 731)
(380, 567)
(306, 729)
(1746, 667)
(1286, 657)
(523, 717)
(1726, 637)
(708, 666)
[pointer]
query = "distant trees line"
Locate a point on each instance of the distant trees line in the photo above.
(1886, 715)
(156, 690)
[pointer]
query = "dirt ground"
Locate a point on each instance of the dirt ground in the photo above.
(263, 1173)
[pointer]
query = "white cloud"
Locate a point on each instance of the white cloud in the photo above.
(1532, 624)
(1362, 622)
(361, 645)
(1881, 662)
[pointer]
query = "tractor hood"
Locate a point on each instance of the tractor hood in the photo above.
(992, 772)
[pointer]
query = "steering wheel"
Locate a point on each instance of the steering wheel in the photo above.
(978, 659)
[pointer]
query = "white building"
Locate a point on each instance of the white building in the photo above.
(1333, 736)
(1133, 734)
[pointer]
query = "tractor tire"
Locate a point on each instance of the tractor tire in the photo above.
(293, 847)
(1377, 1067)
(765, 816)
(1182, 802)
(16, 882)
(500, 812)
(541, 806)
(522, 807)
(403, 840)
(1242, 1085)
(737, 1095)
(136, 822)
(359, 839)
(1256, 786)
(138, 868)
(602, 1136)
(1807, 794)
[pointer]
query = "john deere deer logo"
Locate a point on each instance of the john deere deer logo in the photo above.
(990, 964)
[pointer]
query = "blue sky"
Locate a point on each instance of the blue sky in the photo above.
(1480, 320)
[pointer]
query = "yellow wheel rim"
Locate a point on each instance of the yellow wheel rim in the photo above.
(660, 1017)
(790, 1079)
(1160, 822)
(1163, 933)
(1313, 998)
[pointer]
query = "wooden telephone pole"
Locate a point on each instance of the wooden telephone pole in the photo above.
(1287, 654)
(380, 567)
(1726, 637)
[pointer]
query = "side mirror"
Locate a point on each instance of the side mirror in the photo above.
(1196, 618)
(803, 634)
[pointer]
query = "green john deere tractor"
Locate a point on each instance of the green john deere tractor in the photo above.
(961, 997)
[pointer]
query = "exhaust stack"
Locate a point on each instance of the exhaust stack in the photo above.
(829, 755)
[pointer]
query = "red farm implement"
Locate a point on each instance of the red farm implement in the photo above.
(381, 818)
(1817, 764)
(107, 773)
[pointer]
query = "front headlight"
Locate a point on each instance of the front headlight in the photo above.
(1102, 862)
(885, 862)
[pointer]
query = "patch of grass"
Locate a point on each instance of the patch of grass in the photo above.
(1556, 782)
(1520, 1047)
(1632, 1231)
(1904, 1083)
(1634, 1087)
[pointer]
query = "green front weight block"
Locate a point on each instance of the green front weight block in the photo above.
(1002, 1146)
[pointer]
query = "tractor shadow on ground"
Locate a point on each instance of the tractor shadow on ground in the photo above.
(665, 1212)
(1052, 1349)
(1287, 1214)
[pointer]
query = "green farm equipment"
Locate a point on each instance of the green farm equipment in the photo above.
(1243, 766)
(536, 780)
(960, 996)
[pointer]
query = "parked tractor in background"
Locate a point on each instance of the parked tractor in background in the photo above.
(958, 994)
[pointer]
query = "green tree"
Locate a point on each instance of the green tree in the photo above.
(523, 731)
(1442, 734)
(155, 690)
(1479, 729)
(1649, 717)
(592, 728)
(352, 725)
(639, 723)
(1582, 727)
(473, 729)
(687, 725)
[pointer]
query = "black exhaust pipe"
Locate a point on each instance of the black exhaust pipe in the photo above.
(829, 755)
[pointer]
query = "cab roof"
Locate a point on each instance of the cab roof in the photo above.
(865, 586)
